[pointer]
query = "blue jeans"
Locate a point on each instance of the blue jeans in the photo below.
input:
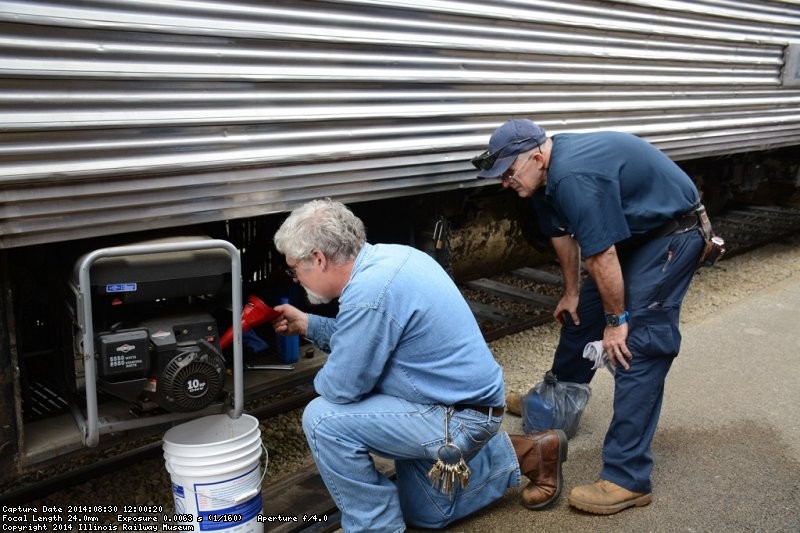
(657, 275)
(341, 437)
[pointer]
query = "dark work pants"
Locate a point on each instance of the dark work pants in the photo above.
(657, 275)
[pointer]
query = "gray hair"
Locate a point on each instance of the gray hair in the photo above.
(323, 225)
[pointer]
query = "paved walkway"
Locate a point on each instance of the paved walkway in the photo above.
(728, 444)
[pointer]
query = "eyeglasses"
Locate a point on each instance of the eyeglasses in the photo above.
(505, 176)
(291, 271)
(486, 160)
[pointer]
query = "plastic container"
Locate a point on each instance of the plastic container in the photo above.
(537, 413)
(288, 345)
(213, 463)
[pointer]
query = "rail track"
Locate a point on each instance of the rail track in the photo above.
(503, 305)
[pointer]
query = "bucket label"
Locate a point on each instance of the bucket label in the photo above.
(231, 501)
(179, 497)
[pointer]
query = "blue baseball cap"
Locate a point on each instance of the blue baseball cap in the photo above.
(506, 143)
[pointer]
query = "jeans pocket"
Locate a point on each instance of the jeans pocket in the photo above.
(655, 340)
(471, 435)
(469, 431)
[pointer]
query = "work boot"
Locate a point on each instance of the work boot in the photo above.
(605, 497)
(540, 456)
(514, 403)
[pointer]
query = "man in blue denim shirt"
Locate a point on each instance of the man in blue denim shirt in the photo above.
(404, 353)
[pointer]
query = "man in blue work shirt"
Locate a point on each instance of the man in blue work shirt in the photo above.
(633, 215)
(406, 360)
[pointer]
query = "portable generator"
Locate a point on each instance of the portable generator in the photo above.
(156, 341)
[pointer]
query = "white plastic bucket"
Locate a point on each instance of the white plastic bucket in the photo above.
(254, 444)
(213, 463)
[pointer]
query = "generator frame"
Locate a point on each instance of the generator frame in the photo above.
(91, 424)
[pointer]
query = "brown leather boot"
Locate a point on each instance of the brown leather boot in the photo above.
(605, 497)
(514, 403)
(540, 456)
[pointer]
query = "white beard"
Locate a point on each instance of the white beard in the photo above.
(316, 299)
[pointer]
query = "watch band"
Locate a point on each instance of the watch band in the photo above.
(616, 320)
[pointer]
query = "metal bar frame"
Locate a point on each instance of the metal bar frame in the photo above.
(89, 423)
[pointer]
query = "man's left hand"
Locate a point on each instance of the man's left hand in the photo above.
(615, 347)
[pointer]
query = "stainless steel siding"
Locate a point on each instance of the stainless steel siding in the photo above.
(123, 115)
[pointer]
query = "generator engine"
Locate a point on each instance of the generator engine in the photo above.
(156, 340)
(175, 360)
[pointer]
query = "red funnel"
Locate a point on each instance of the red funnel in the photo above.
(255, 312)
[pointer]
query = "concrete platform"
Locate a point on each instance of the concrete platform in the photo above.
(728, 444)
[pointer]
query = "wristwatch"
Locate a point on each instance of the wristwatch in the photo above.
(615, 320)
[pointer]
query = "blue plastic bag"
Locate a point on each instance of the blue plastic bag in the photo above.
(553, 404)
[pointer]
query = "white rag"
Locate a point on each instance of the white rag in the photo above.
(594, 352)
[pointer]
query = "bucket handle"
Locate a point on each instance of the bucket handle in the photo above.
(249, 493)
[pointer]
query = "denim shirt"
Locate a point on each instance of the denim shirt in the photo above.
(404, 329)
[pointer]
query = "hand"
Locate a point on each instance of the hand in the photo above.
(615, 347)
(291, 322)
(567, 304)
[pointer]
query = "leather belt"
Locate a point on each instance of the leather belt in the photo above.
(496, 411)
(680, 224)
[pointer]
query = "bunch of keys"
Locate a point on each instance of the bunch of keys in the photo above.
(450, 465)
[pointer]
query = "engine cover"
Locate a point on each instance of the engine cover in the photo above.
(173, 362)
(192, 379)
(124, 354)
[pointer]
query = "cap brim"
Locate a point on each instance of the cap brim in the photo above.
(499, 168)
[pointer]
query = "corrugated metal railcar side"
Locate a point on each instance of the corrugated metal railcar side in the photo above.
(127, 115)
